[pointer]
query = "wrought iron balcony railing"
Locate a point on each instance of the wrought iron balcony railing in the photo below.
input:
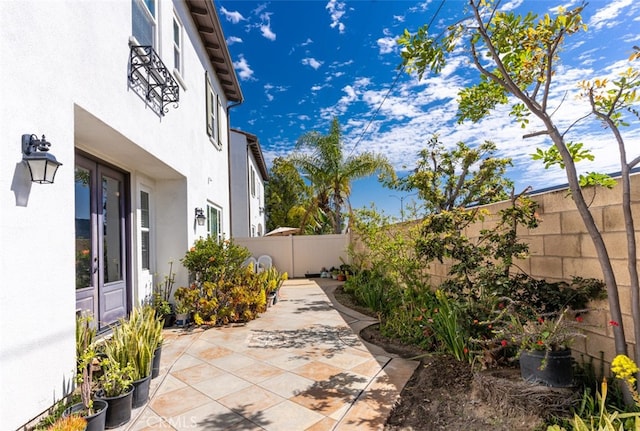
(147, 70)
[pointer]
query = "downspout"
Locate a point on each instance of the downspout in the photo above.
(229, 163)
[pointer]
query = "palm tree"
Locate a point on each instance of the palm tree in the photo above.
(331, 173)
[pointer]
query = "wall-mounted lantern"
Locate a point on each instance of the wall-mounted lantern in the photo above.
(42, 164)
(200, 217)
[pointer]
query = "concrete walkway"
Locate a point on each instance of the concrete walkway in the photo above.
(299, 366)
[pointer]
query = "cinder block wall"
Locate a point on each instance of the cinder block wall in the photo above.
(560, 248)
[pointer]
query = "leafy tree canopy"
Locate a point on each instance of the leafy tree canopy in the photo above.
(321, 160)
(286, 195)
(460, 177)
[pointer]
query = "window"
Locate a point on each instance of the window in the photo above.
(252, 182)
(214, 221)
(212, 112)
(144, 21)
(177, 44)
(144, 229)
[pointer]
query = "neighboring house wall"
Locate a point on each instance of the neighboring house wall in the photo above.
(64, 74)
(299, 255)
(248, 176)
(560, 248)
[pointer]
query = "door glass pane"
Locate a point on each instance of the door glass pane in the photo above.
(111, 229)
(84, 251)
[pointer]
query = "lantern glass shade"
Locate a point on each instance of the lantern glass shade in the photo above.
(42, 164)
(200, 217)
(42, 167)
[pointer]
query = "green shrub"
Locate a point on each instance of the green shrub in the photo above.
(371, 289)
(211, 260)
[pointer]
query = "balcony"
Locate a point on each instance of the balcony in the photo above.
(149, 75)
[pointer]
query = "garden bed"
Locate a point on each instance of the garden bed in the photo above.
(444, 394)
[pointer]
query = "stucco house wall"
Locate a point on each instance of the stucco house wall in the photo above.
(65, 75)
(247, 203)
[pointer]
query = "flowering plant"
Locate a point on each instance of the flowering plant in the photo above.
(522, 328)
(625, 369)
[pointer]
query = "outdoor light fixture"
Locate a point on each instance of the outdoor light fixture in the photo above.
(42, 164)
(200, 217)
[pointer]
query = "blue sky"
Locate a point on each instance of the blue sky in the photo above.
(301, 63)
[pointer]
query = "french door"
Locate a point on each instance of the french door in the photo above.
(102, 249)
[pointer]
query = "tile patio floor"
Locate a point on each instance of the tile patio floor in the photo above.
(299, 366)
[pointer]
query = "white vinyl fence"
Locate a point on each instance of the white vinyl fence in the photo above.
(299, 255)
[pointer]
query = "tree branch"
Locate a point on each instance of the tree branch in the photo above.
(534, 134)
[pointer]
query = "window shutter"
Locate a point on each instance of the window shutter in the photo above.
(209, 103)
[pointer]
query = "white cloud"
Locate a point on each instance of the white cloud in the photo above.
(606, 16)
(307, 42)
(312, 62)
(265, 27)
(243, 69)
(387, 45)
(336, 12)
(233, 39)
(234, 17)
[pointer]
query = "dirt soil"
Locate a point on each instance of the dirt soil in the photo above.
(442, 394)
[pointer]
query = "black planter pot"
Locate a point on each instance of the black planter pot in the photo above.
(155, 365)
(96, 421)
(553, 369)
(119, 412)
(141, 391)
(169, 319)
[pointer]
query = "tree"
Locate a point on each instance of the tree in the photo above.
(330, 173)
(460, 177)
(516, 57)
(286, 195)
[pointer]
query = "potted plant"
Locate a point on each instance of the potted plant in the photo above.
(185, 299)
(334, 272)
(160, 300)
(69, 423)
(116, 386)
(543, 343)
(94, 411)
(273, 280)
(142, 336)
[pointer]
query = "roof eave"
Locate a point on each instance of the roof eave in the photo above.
(207, 22)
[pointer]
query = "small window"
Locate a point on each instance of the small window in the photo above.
(212, 112)
(144, 229)
(177, 45)
(143, 24)
(252, 182)
(214, 221)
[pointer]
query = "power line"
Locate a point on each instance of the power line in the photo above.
(393, 84)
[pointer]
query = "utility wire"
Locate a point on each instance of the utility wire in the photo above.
(393, 84)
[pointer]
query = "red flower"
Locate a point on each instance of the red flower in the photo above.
(504, 343)
(579, 319)
(540, 320)
(613, 323)
(465, 350)
(540, 342)
(501, 305)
